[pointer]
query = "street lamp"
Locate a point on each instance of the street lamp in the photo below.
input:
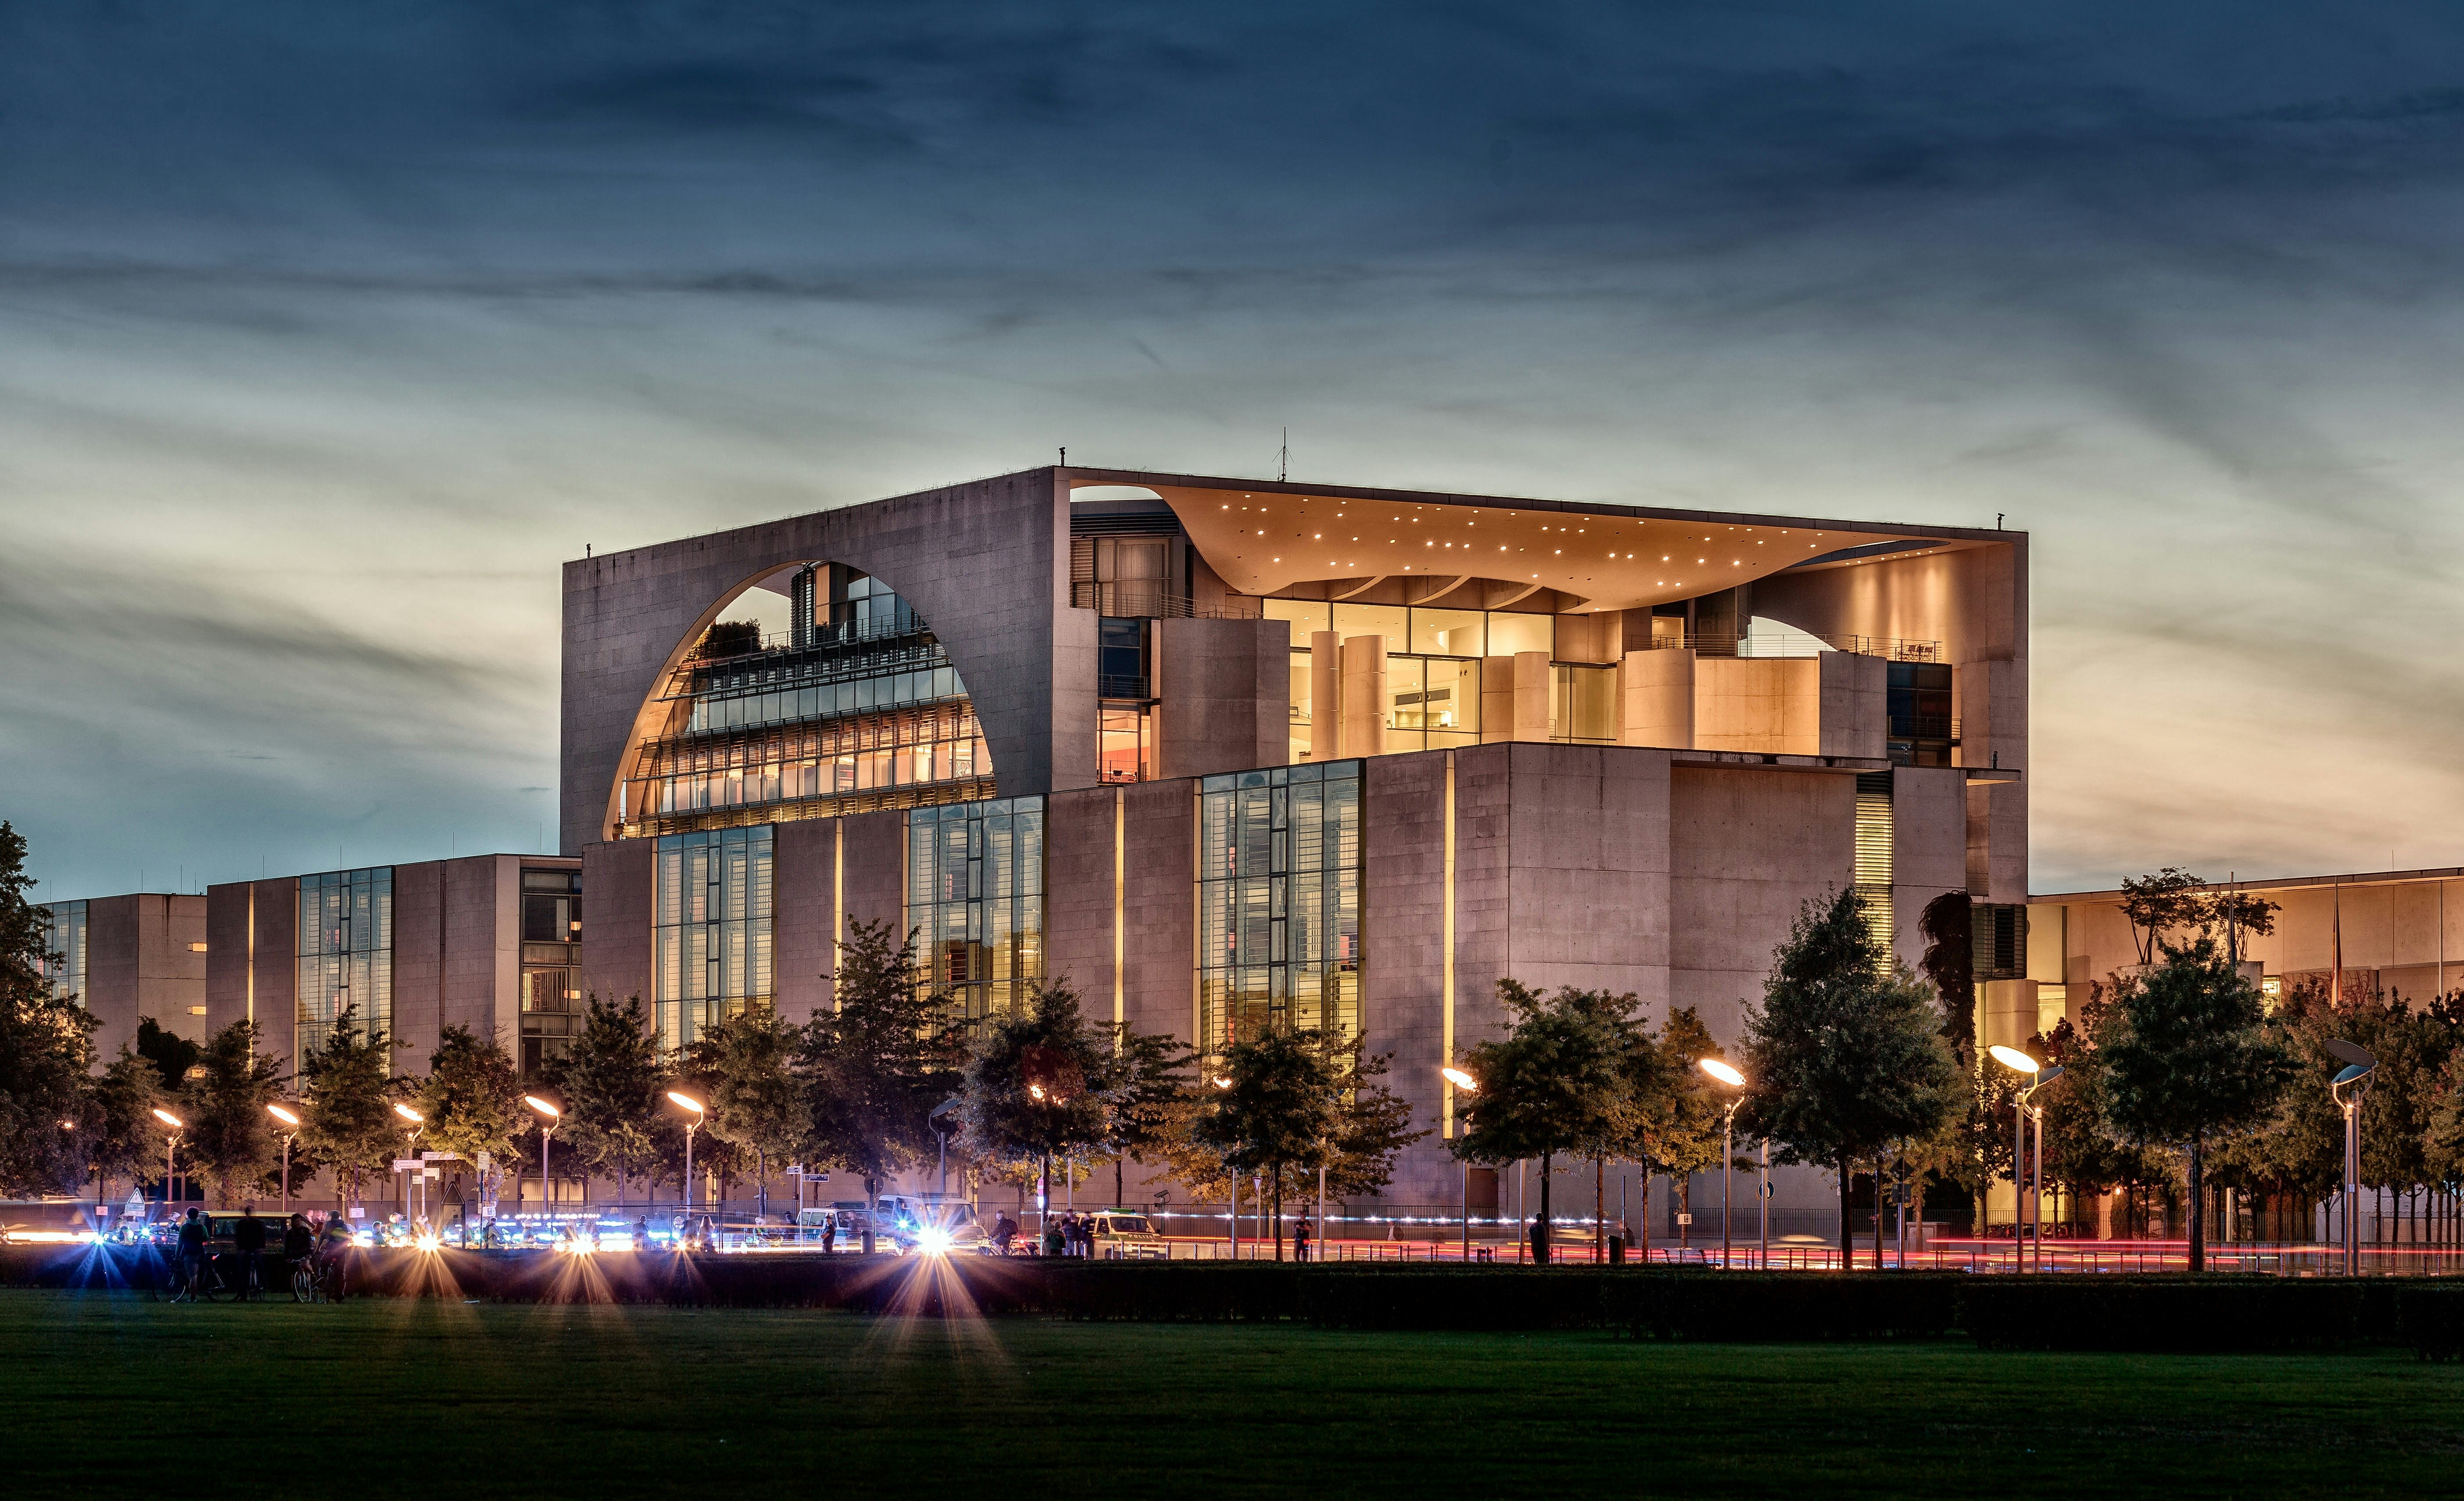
(1469, 1086)
(2346, 1089)
(549, 1118)
(2022, 1112)
(171, 1145)
(689, 1103)
(418, 1124)
(1728, 1149)
(293, 1122)
(1232, 1215)
(939, 1119)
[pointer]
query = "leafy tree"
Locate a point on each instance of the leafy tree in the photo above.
(1845, 1058)
(171, 1054)
(473, 1098)
(745, 1063)
(1948, 924)
(875, 1067)
(611, 1080)
(1035, 1085)
(1153, 1076)
(128, 1137)
(347, 1125)
(1685, 1114)
(229, 1133)
(1557, 1083)
(46, 1045)
(2170, 898)
(2187, 1058)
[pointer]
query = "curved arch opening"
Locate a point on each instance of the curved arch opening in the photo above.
(837, 698)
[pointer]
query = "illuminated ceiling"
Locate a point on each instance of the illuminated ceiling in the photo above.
(1273, 542)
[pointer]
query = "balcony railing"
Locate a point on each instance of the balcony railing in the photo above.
(1925, 727)
(1709, 643)
(1140, 598)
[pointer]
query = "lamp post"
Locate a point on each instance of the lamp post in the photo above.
(418, 1124)
(1469, 1086)
(2038, 1076)
(691, 1125)
(1728, 1148)
(1232, 1215)
(170, 1147)
(1762, 1211)
(550, 1117)
(292, 1121)
(940, 1120)
(2346, 1089)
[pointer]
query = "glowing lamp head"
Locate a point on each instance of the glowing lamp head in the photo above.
(2013, 1059)
(1035, 1091)
(282, 1115)
(1722, 1072)
(170, 1119)
(409, 1114)
(1461, 1080)
(1224, 1084)
(542, 1107)
(686, 1101)
(427, 1243)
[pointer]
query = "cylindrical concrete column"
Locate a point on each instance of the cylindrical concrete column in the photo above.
(1532, 679)
(1364, 697)
(1326, 695)
(1658, 692)
(1496, 698)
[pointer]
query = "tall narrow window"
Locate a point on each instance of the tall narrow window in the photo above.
(711, 929)
(551, 947)
(64, 938)
(346, 953)
(975, 893)
(1874, 855)
(1279, 901)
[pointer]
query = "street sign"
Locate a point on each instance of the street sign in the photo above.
(408, 1164)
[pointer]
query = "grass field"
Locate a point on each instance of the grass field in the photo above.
(114, 1395)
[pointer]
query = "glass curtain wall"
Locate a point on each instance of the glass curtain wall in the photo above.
(1279, 901)
(551, 948)
(64, 937)
(1433, 664)
(711, 929)
(975, 891)
(345, 953)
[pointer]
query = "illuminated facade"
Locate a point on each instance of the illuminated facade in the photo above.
(1228, 756)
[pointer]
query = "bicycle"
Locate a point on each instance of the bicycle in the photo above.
(306, 1287)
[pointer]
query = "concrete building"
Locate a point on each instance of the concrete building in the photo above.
(129, 958)
(2398, 931)
(485, 942)
(1221, 752)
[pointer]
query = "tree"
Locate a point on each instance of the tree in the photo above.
(1153, 1077)
(228, 1130)
(611, 1080)
(1948, 924)
(877, 1067)
(1845, 1058)
(171, 1054)
(1274, 1112)
(473, 1098)
(347, 1125)
(128, 1137)
(2170, 898)
(2187, 1057)
(1557, 1082)
(1686, 1119)
(1036, 1082)
(745, 1063)
(45, 1046)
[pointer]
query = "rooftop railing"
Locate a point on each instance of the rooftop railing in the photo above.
(1801, 644)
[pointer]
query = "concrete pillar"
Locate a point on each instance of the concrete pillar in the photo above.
(1531, 677)
(1364, 697)
(1496, 698)
(1854, 704)
(1326, 695)
(1658, 692)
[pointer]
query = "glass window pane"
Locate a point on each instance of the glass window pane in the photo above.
(1449, 632)
(1391, 621)
(1510, 633)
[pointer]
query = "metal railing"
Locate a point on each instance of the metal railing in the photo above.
(1712, 643)
(1139, 599)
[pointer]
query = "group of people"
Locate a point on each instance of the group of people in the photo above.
(303, 1245)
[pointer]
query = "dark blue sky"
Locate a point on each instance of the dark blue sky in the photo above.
(327, 332)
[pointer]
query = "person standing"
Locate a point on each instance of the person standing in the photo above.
(248, 1241)
(1301, 1239)
(298, 1244)
(192, 1255)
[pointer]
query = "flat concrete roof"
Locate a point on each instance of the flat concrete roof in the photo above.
(2287, 883)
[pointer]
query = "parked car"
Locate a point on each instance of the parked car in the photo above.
(1125, 1235)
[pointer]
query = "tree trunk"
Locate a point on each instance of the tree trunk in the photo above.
(1599, 1209)
(1117, 1178)
(1684, 1183)
(1644, 1217)
(2198, 1204)
(1540, 1242)
(1847, 1235)
(1878, 1212)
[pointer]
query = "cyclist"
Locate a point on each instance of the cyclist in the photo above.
(332, 1245)
(248, 1239)
(192, 1254)
(298, 1249)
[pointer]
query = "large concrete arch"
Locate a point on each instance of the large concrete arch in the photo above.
(986, 564)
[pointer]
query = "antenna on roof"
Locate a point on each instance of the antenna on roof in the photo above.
(1284, 458)
(1065, 455)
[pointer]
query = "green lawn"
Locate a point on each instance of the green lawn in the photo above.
(103, 1395)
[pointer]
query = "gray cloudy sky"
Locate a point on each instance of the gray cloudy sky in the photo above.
(327, 332)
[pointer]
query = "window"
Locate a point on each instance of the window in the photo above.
(1124, 748)
(2000, 941)
(551, 1004)
(345, 953)
(1922, 730)
(975, 891)
(1279, 901)
(711, 929)
(1583, 704)
(1121, 659)
(65, 936)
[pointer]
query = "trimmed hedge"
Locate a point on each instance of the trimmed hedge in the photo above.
(2177, 1313)
(1788, 1307)
(1457, 1297)
(2432, 1318)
